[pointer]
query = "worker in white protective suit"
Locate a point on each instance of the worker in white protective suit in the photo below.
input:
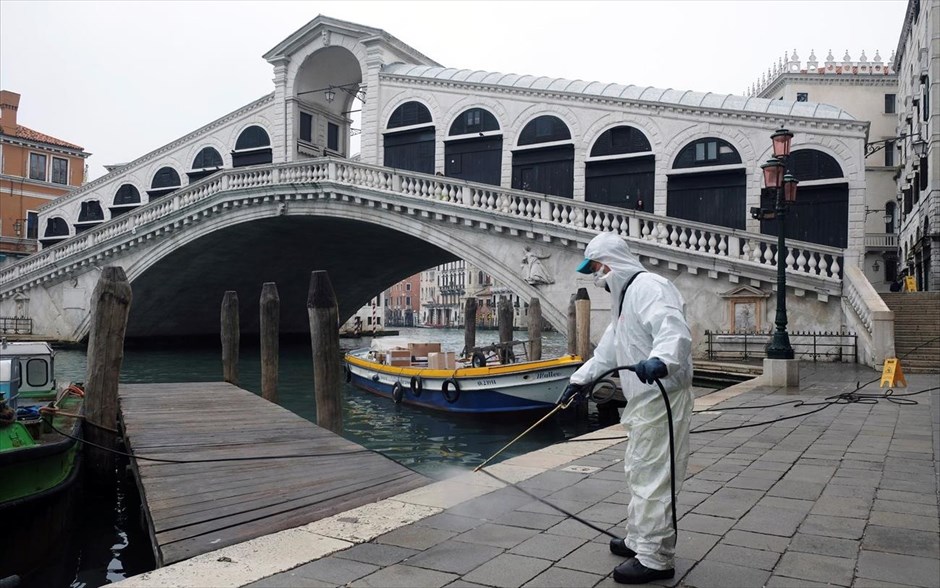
(647, 331)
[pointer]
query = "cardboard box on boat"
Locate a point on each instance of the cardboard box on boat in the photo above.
(423, 349)
(398, 357)
(446, 360)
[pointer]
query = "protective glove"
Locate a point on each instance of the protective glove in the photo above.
(576, 391)
(650, 370)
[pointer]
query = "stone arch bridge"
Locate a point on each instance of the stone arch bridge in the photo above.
(371, 226)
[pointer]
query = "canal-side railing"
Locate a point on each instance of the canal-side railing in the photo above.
(820, 264)
(808, 345)
(16, 326)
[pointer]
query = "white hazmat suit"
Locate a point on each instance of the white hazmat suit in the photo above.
(649, 323)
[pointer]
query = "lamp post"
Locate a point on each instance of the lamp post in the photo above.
(776, 176)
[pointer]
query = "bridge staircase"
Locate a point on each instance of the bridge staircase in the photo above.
(916, 329)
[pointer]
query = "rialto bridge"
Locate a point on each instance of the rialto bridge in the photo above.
(370, 227)
(459, 164)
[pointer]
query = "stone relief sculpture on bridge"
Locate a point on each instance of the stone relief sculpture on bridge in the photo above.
(533, 271)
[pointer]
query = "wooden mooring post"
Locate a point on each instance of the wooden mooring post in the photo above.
(270, 331)
(230, 337)
(585, 349)
(504, 308)
(572, 327)
(323, 314)
(110, 305)
(535, 329)
(582, 304)
(469, 326)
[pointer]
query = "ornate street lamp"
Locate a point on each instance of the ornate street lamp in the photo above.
(776, 177)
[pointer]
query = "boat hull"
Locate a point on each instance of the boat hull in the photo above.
(528, 386)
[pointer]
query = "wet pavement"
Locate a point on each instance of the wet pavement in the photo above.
(844, 495)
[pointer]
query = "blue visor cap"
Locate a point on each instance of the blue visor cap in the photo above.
(585, 267)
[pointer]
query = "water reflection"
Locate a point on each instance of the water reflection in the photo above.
(432, 443)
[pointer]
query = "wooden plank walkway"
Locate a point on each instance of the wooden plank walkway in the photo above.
(194, 508)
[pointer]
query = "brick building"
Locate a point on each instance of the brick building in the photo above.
(34, 170)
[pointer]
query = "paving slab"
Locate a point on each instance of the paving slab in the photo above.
(902, 569)
(818, 568)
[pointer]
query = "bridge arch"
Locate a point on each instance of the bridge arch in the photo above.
(363, 270)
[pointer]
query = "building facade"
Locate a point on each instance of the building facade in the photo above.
(867, 88)
(917, 61)
(35, 169)
(403, 303)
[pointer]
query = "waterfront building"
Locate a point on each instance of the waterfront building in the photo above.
(917, 61)
(867, 88)
(35, 169)
(403, 302)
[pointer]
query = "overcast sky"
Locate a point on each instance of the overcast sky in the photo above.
(124, 78)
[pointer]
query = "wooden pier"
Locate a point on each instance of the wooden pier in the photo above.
(194, 508)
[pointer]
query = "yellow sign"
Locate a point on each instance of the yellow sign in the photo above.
(910, 284)
(892, 375)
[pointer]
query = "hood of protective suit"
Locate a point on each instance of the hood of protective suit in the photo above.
(611, 250)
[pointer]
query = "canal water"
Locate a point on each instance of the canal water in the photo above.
(111, 544)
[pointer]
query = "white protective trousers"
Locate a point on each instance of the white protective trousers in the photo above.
(649, 323)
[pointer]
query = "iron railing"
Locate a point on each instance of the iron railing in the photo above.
(807, 345)
(16, 326)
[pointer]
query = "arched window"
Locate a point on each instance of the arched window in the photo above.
(253, 147)
(821, 211)
(89, 216)
(207, 162)
(412, 148)
(711, 196)
(409, 114)
(548, 169)
(126, 198)
(166, 180)
(620, 170)
(56, 227)
(473, 155)
(707, 152)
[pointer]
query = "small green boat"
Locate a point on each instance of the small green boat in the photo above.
(40, 456)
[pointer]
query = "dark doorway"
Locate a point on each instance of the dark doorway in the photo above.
(474, 160)
(714, 198)
(819, 215)
(411, 150)
(625, 183)
(549, 170)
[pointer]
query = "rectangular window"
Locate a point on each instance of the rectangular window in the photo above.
(306, 127)
(890, 104)
(60, 171)
(700, 152)
(332, 136)
(802, 97)
(408, 301)
(407, 287)
(712, 151)
(889, 153)
(32, 224)
(926, 82)
(37, 167)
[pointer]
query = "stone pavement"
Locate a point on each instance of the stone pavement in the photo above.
(847, 496)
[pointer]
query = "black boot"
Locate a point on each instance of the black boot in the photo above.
(633, 572)
(619, 547)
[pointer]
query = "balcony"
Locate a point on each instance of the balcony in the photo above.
(881, 241)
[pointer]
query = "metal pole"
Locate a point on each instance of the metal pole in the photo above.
(779, 347)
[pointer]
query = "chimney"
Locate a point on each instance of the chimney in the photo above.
(9, 103)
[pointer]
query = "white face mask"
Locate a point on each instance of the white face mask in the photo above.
(600, 279)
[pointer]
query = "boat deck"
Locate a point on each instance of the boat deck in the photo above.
(194, 508)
